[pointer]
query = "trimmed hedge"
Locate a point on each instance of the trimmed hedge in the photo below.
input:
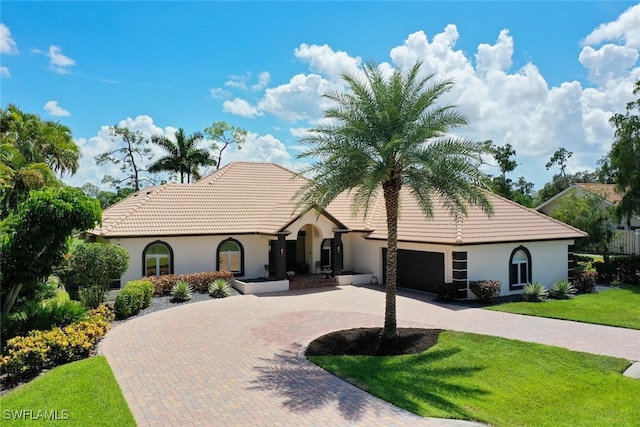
(199, 282)
(135, 296)
(626, 269)
(26, 356)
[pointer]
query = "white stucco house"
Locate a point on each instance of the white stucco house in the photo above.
(241, 218)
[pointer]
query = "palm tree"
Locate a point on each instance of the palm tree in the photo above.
(386, 133)
(183, 156)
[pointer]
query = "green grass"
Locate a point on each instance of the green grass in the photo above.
(611, 307)
(84, 392)
(498, 381)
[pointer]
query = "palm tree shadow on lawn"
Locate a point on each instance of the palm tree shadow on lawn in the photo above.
(306, 387)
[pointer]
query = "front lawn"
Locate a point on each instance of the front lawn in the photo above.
(83, 393)
(498, 381)
(611, 307)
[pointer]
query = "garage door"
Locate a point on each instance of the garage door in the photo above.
(418, 270)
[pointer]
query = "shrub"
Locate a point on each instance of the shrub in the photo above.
(103, 313)
(92, 296)
(94, 265)
(626, 269)
(562, 289)
(446, 291)
(485, 290)
(146, 287)
(41, 316)
(181, 291)
(28, 355)
(534, 292)
(199, 281)
(220, 289)
(585, 280)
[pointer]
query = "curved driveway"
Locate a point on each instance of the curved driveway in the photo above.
(239, 361)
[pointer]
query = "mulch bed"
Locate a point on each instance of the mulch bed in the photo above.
(367, 342)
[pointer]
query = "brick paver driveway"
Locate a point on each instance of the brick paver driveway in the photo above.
(238, 361)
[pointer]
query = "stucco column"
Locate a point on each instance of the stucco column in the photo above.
(281, 257)
(336, 249)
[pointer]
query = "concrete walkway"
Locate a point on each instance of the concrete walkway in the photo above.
(239, 361)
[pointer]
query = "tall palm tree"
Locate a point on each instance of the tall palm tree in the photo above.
(386, 132)
(183, 155)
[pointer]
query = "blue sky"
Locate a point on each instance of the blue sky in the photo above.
(538, 75)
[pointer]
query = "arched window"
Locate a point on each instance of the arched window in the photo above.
(519, 268)
(157, 259)
(230, 256)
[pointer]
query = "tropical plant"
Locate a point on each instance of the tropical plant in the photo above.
(224, 135)
(220, 289)
(37, 238)
(181, 291)
(534, 292)
(184, 157)
(386, 133)
(93, 266)
(625, 157)
(130, 152)
(32, 150)
(562, 289)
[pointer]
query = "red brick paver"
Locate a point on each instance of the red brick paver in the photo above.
(239, 362)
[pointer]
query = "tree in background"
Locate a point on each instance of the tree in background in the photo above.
(523, 192)
(183, 156)
(503, 156)
(386, 133)
(560, 158)
(589, 213)
(224, 135)
(625, 157)
(36, 238)
(106, 198)
(32, 151)
(131, 153)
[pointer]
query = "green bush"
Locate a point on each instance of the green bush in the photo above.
(147, 291)
(200, 282)
(562, 289)
(534, 292)
(135, 296)
(181, 291)
(92, 296)
(626, 268)
(220, 289)
(40, 316)
(485, 290)
(94, 265)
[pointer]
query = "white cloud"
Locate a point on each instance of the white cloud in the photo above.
(59, 62)
(240, 107)
(299, 99)
(8, 46)
(498, 56)
(54, 109)
(263, 80)
(626, 28)
(324, 60)
(4, 72)
(607, 63)
(219, 93)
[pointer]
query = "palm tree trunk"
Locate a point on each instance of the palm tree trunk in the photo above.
(391, 198)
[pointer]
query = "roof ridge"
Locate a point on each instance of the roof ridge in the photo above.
(152, 192)
(215, 175)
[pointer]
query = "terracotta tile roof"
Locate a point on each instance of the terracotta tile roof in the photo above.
(606, 191)
(246, 197)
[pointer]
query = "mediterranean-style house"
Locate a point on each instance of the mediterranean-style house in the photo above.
(625, 239)
(241, 218)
